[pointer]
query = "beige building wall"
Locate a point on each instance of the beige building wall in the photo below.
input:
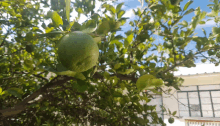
(170, 101)
(201, 79)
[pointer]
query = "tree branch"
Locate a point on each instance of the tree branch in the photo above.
(22, 105)
(4, 38)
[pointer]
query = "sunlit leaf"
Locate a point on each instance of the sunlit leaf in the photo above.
(215, 30)
(187, 5)
(120, 13)
(189, 11)
(57, 20)
(147, 81)
(118, 8)
(0, 90)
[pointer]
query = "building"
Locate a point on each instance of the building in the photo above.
(198, 101)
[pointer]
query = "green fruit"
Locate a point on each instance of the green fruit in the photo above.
(78, 51)
(171, 120)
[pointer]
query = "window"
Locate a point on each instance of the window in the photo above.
(199, 101)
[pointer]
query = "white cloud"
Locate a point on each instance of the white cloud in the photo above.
(210, 23)
(129, 14)
(200, 68)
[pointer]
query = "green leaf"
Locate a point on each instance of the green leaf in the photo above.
(61, 70)
(157, 82)
(120, 14)
(202, 15)
(169, 22)
(144, 81)
(16, 92)
(118, 8)
(184, 23)
(177, 20)
(76, 26)
(67, 72)
(89, 30)
(94, 70)
(49, 33)
(82, 85)
(128, 40)
(57, 20)
(4, 4)
(3, 60)
(68, 10)
(157, 24)
(117, 94)
(127, 71)
(169, 111)
(188, 11)
(139, 12)
(202, 22)
(79, 10)
(103, 28)
(147, 81)
(212, 14)
(204, 31)
(80, 76)
(97, 39)
(0, 90)
(118, 37)
(195, 22)
(112, 9)
(187, 4)
(47, 30)
(117, 66)
(215, 30)
(89, 26)
(70, 26)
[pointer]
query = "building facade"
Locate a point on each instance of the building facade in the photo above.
(197, 102)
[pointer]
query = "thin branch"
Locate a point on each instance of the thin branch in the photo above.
(38, 76)
(177, 99)
(4, 38)
(22, 105)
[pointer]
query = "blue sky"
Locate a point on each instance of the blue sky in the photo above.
(130, 4)
(201, 67)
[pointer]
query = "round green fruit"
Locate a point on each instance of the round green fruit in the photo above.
(171, 120)
(78, 51)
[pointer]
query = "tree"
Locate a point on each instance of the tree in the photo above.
(36, 89)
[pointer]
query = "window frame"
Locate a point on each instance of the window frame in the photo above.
(200, 98)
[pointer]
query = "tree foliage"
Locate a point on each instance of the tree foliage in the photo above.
(36, 90)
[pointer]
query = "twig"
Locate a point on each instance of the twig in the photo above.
(4, 38)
